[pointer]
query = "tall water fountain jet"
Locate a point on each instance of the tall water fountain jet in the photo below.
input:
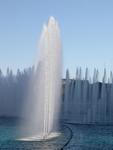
(43, 106)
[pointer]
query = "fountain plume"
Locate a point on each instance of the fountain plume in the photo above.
(45, 89)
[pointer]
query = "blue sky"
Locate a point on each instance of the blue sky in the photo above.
(86, 29)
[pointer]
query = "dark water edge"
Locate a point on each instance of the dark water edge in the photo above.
(85, 137)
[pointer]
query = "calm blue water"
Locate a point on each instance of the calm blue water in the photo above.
(85, 137)
(9, 132)
(91, 137)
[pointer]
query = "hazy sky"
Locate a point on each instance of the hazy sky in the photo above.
(86, 29)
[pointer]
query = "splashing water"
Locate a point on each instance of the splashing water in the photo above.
(43, 106)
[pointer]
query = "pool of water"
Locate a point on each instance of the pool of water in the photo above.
(91, 137)
(9, 133)
(85, 137)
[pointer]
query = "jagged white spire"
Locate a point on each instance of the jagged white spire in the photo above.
(111, 77)
(86, 74)
(67, 74)
(104, 77)
(77, 73)
(94, 75)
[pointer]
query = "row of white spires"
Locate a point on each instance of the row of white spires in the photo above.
(86, 102)
(95, 78)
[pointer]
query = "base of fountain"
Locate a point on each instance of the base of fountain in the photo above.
(40, 137)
